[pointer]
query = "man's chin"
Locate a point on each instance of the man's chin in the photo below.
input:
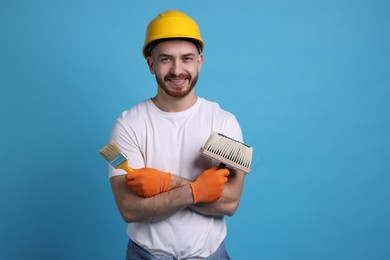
(178, 92)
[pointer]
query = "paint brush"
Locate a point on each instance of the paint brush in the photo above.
(115, 157)
(228, 151)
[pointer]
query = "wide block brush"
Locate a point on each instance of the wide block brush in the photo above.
(115, 157)
(228, 151)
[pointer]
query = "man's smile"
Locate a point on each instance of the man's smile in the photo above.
(178, 82)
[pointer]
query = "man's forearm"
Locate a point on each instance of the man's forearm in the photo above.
(163, 205)
(134, 208)
(226, 205)
(177, 181)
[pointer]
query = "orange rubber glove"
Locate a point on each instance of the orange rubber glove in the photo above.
(208, 187)
(148, 182)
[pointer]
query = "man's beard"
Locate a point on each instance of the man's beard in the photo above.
(179, 92)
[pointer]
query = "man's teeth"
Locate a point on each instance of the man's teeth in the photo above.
(177, 80)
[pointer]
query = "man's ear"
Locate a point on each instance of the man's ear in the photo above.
(200, 61)
(150, 64)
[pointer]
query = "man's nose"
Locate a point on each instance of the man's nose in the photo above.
(177, 68)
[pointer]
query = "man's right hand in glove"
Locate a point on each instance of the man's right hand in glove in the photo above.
(208, 187)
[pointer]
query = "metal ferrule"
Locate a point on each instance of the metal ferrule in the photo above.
(118, 160)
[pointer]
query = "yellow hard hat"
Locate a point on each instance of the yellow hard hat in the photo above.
(171, 24)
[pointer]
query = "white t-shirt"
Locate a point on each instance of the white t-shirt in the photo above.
(171, 142)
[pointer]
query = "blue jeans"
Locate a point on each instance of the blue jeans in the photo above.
(135, 252)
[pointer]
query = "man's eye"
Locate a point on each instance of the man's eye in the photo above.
(187, 59)
(165, 59)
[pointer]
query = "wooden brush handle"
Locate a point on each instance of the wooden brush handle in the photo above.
(221, 166)
(125, 166)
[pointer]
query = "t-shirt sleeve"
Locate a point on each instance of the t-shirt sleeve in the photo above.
(124, 136)
(231, 128)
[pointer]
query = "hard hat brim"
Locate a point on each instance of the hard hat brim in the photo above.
(147, 50)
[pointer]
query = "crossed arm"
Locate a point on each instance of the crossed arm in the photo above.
(228, 203)
(135, 208)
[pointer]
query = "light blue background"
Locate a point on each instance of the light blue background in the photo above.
(308, 80)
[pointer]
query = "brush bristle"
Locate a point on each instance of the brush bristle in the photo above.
(228, 151)
(110, 151)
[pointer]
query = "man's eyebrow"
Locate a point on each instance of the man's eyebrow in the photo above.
(164, 56)
(188, 55)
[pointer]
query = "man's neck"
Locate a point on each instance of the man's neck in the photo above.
(171, 104)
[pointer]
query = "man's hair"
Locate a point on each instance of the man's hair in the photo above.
(150, 46)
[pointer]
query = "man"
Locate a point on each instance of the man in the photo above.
(175, 200)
